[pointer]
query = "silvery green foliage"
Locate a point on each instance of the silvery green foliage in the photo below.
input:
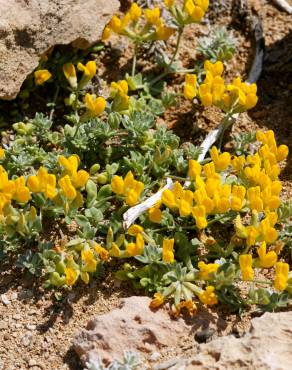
(218, 45)
(131, 361)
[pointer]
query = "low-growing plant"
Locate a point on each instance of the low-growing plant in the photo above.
(202, 229)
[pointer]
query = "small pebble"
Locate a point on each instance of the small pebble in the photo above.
(155, 356)
(203, 335)
(26, 339)
(3, 326)
(14, 296)
(17, 316)
(5, 299)
(30, 326)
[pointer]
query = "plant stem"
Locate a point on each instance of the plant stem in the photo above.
(78, 124)
(180, 32)
(54, 102)
(168, 66)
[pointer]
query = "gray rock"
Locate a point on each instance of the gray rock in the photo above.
(132, 327)
(29, 28)
(267, 346)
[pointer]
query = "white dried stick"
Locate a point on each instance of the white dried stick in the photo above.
(284, 5)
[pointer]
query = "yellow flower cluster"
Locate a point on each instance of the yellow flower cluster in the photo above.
(128, 187)
(10, 190)
(192, 11)
(195, 9)
(89, 71)
(266, 260)
(119, 94)
(208, 296)
(69, 183)
(95, 105)
(235, 97)
(258, 189)
(207, 269)
(139, 25)
(79, 262)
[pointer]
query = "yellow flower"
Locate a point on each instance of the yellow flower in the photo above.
(128, 187)
(209, 171)
(245, 263)
(163, 32)
(96, 105)
(268, 233)
(189, 305)
(41, 76)
(282, 152)
(216, 68)
(207, 269)
(117, 185)
(89, 261)
(167, 250)
(190, 88)
(135, 12)
(134, 249)
(70, 74)
(195, 12)
(199, 214)
(85, 277)
(168, 199)
(221, 161)
(153, 16)
(43, 182)
(106, 33)
(115, 250)
(194, 169)
(155, 215)
(168, 3)
(21, 192)
(2, 153)
(266, 260)
(121, 88)
(67, 187)
(135, 229)
(70, 164)
(254, 198)
(89, 71)
(208, 296)
(133, 194)
(71, 276)
(157, 301)
(238, 162)
(102, 252)
(281, 278)
(238, 194)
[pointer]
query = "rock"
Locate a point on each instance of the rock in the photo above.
(30, 326)
(132, 327)
(267, 346)
(29, 28)
(5, 299)
(26, 339)
(154, 356)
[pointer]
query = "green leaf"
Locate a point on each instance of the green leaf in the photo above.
(91, 193)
